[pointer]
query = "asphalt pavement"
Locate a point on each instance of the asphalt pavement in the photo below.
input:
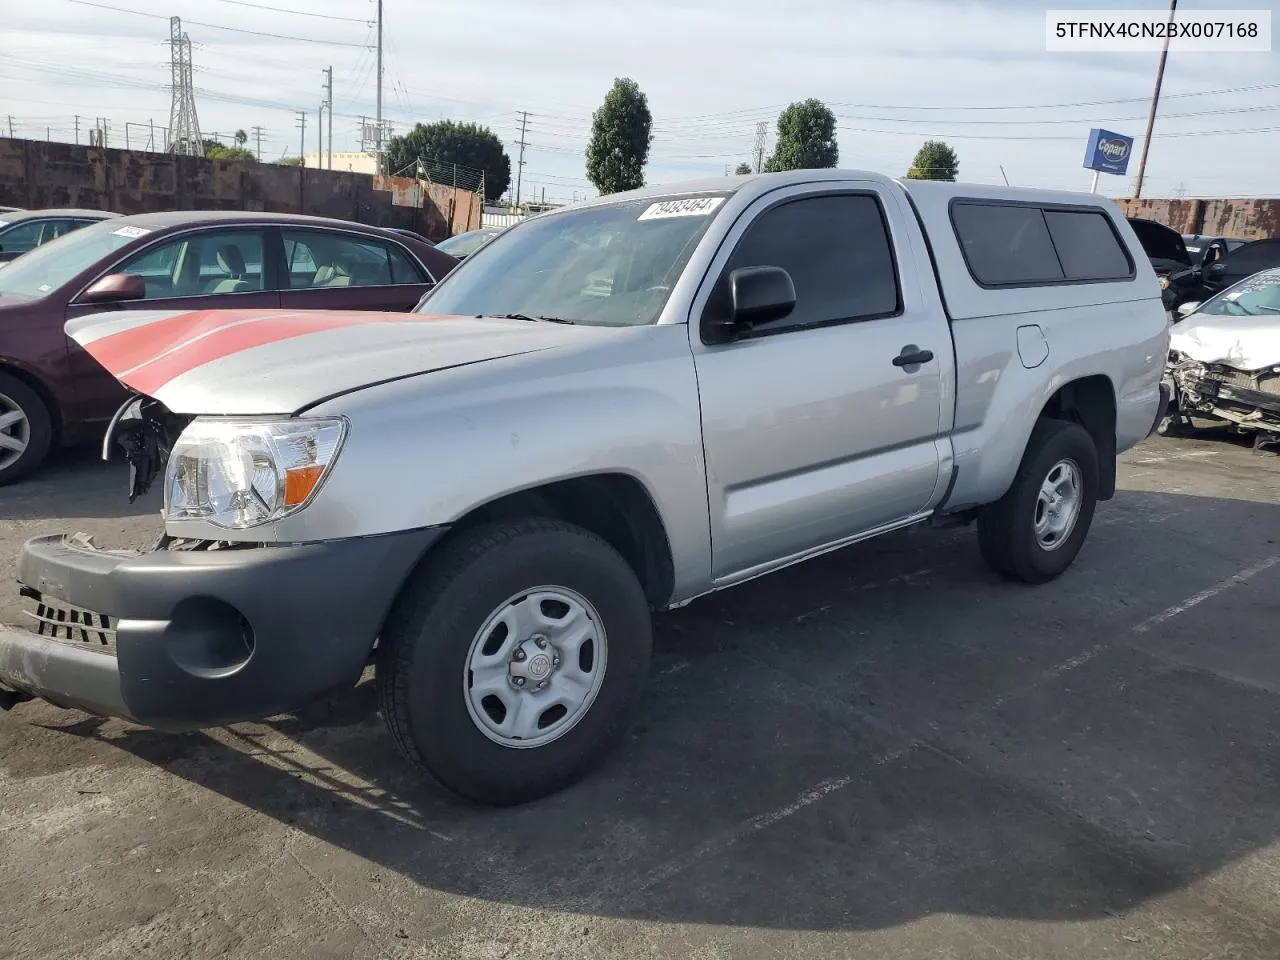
(886, 753)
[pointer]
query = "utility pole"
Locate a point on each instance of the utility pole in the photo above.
(762, 135)
(77, 116)
(378, 142)
(524, 125)
(328, 101)
(1155, 99)
(320, 137)
(184, 125)
(257, 132)
(302, 139)
(11, 126)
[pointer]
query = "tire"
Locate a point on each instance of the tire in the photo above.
(433, 661)
(1007, 529)
(25, 421)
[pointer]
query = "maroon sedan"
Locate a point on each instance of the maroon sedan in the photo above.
(52, 392)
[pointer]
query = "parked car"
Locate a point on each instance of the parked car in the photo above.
(1205, 249)
(1201, 283)
(1224, 360)
(51, 391)
(23, 230)
(1163, 246)
(491, 501)
(462, 245)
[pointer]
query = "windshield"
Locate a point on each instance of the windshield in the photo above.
(465, 244)
(1258, 296)
(610, 265)
(48, 267)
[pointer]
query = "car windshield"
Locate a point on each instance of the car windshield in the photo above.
(465, 244)
(612, 265)
(1255, 297)
(48, 267)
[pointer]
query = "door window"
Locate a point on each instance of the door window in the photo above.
(207, 263)
(323, 259)
(1252, 257)
(838, 252)
(23, 237)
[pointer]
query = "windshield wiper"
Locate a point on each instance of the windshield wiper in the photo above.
(524, 316)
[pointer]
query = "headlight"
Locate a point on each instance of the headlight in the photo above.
(242, 473)
(1164, 283)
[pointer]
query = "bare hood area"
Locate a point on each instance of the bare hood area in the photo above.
(281, 361)
(1245, 343)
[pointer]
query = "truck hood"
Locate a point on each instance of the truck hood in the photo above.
(1245, 343)
(282, 361)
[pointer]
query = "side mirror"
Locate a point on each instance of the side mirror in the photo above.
(116, 288)
(1188, 308)
(761, 295)
(1215, 270)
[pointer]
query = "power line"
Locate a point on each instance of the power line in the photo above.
(214, 26)
(296, 13)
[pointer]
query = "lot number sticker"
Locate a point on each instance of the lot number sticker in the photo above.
(131, 232)
(688, 207)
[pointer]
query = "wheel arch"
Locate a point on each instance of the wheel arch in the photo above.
(1090, 401)
(41, 390)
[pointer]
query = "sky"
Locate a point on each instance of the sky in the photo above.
(975, 74)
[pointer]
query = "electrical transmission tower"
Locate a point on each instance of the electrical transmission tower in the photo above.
(184, 126)
(762, 135)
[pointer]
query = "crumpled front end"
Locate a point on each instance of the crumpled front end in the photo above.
(1248, 399)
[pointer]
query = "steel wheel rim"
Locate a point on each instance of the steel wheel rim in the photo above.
(535, 667)
(15, 431)
(1058, 504)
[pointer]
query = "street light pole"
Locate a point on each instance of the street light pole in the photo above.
(1155, 100)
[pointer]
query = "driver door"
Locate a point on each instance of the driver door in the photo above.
(210, 269)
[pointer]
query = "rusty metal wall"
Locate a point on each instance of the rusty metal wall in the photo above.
(36, 174)
(1250, 219)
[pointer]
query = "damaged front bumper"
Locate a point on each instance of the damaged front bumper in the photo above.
(1248, 399)
(182, 639)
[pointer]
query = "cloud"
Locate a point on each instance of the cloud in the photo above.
(712, 69)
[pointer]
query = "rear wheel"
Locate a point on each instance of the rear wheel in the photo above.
(26, 429)
(514, 658)
(1033, 533)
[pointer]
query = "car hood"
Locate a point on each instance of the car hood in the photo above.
(1245, 343)
(282, 361)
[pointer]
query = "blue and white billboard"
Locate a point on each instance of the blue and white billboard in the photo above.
(1108, 152)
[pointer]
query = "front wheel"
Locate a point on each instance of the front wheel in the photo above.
(514, 658)
(1035, 530)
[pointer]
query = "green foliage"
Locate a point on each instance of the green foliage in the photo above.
(241, 138)
(806, 138)
(291, 162)
(934, 161)
(445, 143)
(621, 132)
(219, 152)
(743, 168)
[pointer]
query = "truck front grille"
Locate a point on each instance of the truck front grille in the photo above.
(58, 620)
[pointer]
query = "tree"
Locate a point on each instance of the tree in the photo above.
(219, 152)
(806, 138)
(291, 162)
(442, 144)
(241, 138)
(621, 132)
(934, 161)
(743, 168)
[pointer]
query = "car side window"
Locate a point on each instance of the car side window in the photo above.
(1253, 257)
(321, 259)
(23, 237)
(837, 251)
(200, 264)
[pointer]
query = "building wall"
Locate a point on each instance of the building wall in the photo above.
(36, 174)
(1250, 219)
(350, 161)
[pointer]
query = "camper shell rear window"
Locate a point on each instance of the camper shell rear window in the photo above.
(1020, 244)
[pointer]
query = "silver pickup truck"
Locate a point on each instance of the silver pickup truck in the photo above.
(608, 410)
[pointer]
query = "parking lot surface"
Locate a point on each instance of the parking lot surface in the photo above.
(885, 753)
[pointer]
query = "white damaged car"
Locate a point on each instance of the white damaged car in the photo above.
(1224, 361)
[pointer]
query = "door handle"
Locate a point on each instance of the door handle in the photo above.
(912, 356)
